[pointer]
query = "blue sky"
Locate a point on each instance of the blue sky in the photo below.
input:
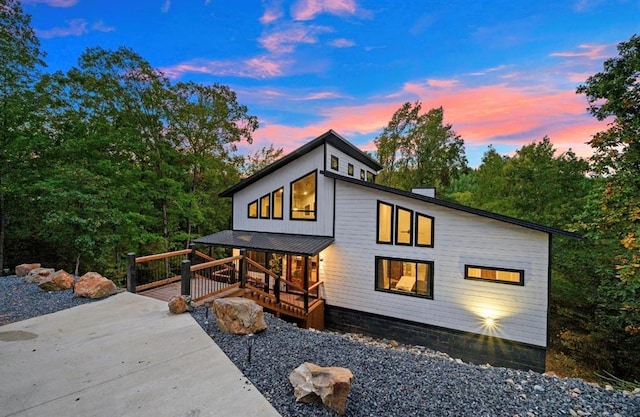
(505, 72)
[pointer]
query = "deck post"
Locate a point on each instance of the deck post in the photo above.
(185, 282)
(243, 268)
(276, 288)
(131, 272)
(191, 255)
(306, 285)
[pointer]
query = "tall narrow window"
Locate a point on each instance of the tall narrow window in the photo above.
(335, 163)
(264, 207)
(503, 275)
(276, 199)
(350, 169)
(385, 223)
(303, 198)
(362, 174)
(404, 226)
(424, 230)
(253, 210)
(371, 177)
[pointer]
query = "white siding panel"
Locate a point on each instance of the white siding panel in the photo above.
(283, 177)
(460, 238)
(344, 161)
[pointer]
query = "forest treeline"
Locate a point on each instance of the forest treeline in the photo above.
(111, 156)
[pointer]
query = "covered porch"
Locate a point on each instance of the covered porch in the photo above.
(279, 271)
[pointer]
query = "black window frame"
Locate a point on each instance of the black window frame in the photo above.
(249, 209)
(371, 177)
(397, 231)
(497, 281)
(335, 163)
(350, 170)
(260, 211)
(315, 203)
(430, 277)
(391, 223)
(415, 230)
(362, 175)
(273, 205)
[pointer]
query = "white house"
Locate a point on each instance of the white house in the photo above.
(396, 264)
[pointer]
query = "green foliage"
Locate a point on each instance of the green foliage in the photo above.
(116, 158)
(20, 63)
(613, 217)
(418, 150)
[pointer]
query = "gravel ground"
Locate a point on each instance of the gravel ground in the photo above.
(407, 380)
(21, 301)
(388, 380)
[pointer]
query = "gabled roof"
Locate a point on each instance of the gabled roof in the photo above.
(268, 242)
(455, 206)
(329, 137)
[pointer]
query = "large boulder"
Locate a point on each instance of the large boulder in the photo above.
(331, 385)
(61, 280)
(23, 269)
(37, 275)
(180, 304)
(94, 285)
(238, 315)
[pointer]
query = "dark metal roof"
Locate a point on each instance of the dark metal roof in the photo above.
(268, 242)
(329, 137)
(455, 206)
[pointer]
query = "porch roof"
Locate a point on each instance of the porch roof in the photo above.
(290, 244)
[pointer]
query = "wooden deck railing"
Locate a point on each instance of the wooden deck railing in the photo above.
(210, 277)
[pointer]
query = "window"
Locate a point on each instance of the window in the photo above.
(264, 207)
(424, 230)
(350, 169)
(385, 223)
(404, 226)
(404, 276)
(334, 163)
(371, 177)
(303, 198)
(276, 198)
(362, 174)
(253, 209)
(505, 276)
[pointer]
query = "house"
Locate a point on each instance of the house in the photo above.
(396, 264)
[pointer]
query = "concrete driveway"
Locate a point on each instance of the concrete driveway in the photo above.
(122, 356)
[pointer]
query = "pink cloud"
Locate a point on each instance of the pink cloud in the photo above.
(76, 27)
(101, 27)
(258, 67)
(283, 41)
(589, 51)
(495, 114)
(442, 83)
(342, 43)
(272, 12)
(52, 3)
(309, 9)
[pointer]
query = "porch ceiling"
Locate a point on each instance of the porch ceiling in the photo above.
(268, 242)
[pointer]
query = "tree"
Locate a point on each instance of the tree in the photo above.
(419, 149)
(20, 61)
(260, 159)
(207, 122)
(614, 95)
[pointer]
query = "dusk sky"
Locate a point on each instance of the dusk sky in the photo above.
(505, 72)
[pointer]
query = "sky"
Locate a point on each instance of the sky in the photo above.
(505, 72)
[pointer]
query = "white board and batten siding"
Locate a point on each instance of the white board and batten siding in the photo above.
(460, 239)
(322, 226)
